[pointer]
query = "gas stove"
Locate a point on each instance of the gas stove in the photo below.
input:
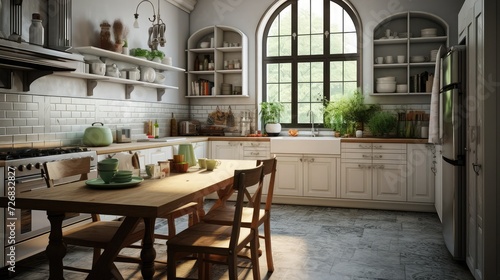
(29, 161)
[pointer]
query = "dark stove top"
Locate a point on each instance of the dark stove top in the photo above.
(10, 154)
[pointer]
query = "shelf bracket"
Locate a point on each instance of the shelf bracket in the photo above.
(29, 77)
(91, 84)
(128, 91)
(159, 93)
(6, 78)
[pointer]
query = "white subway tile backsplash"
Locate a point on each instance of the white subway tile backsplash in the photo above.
(26, 114)
(32, 106)
(25, 98)
(32, 121)
(60, 107)
(6, 106)
(19, 106)
(12, 114)
(12, 98)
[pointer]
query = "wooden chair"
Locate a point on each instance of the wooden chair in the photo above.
(96, 234)
(205, 240)
(192, 209)
(223, 214)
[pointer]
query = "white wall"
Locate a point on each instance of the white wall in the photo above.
(246, 15)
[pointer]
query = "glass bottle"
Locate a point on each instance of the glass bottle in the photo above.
(205, 62)
(36, 30)
(156, 129)
(196, 64)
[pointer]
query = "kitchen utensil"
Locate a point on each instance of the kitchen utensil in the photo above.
(212, 164)
(389, 59)
(112, 70)
(159, 78)
(202, 162)
(428, 32)
(98, 183)
(417, 58)
(402, 88)
(204, 45)
(97, 136)
(188, 151)
(379, 60)
(401, 59)
(385, 87)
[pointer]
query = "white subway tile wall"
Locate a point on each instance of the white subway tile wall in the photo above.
(45, 121)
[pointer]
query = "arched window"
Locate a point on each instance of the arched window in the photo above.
(311, 50)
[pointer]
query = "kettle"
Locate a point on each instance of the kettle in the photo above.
(112, 70)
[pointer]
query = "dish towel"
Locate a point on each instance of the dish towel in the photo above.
(434, 109)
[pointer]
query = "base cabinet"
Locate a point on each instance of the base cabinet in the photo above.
(373, 171)
(306, 175)
(421, 173)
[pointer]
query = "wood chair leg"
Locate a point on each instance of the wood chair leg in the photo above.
(171, 227)
(267, 241)
(97, 253)
(232, 264)
(171, 264)
(254, 249)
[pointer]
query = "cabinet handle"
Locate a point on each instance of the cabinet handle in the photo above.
(377, 156)
(301, 160)
(364, 146)
(255, 153)
(311, 160)
(377, 147)
(361, 166)
(380, 166)
(366, 156)
(255, 144)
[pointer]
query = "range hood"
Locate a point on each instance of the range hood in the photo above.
(24, 56)
(32, 62)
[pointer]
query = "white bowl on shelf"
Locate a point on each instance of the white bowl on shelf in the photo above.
(401, 88)
(386, 79)
(385, 87)
(204, 45)
(417, 58)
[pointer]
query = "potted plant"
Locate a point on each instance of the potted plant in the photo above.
(270, 113)
(382, 123)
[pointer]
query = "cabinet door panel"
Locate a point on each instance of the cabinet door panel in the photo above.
(319, 177)
(356, 181)
(225, 150)
(421, 179)
(288, 176)
(389, 182)
(161, 154)
(200, 149)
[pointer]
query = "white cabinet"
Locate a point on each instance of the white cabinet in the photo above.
(229, 54)
(421, 172)
(240, 150)
(373, 171)
(415, 45)
(306, 175)
(126, 60)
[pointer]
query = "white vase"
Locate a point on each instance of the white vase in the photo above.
(273, 129)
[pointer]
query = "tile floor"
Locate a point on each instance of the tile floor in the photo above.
(317, 243)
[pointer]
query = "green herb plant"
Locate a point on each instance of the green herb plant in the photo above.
(382, 123)
(271, 112)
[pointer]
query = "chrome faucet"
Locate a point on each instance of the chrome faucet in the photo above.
(314, 133)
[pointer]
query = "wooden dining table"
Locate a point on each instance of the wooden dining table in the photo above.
(150, 199)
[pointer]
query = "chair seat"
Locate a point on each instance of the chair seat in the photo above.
(209, 236)
(224, 215)
(99, 234)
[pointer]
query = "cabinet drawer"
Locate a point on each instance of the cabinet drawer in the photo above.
(377, 157)
(391, 147)
(254, 153)
(265, 145)
(357, 155)
(356, 146)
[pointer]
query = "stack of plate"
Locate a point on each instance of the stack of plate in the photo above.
(226, 89)
(428, 32)
(385, 84)
(122, 176)
(433, 55)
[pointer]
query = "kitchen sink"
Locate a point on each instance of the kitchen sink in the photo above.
(327, 145)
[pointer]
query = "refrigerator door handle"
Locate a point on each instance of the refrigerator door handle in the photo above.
(476, 167)
(460, 161)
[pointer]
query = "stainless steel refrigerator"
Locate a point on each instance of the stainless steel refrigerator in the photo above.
(453, 118)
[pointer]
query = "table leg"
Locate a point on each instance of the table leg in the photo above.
(148, 252)
(104, 267)
(56, 249)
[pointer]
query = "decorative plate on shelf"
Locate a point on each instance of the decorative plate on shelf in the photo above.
(98, 183)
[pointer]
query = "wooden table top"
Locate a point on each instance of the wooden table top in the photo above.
(151, 198)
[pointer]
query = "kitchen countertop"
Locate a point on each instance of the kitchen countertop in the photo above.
(169, 141)
(386, 140)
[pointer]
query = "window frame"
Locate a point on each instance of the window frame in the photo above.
(295, 59)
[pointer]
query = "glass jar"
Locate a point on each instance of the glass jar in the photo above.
(36, 30)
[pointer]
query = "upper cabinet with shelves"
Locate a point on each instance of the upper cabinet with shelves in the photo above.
(217, 59)
(413, 45)
(104, 55)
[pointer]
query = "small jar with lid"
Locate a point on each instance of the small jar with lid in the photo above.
(36, 30)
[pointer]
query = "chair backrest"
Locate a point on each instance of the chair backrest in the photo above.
(269, 170)
(243, 179)
(56, 170)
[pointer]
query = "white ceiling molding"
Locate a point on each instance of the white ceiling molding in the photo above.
(186, 5)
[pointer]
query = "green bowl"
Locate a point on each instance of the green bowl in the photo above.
(106, 176)
(122, 180)
(107, 167)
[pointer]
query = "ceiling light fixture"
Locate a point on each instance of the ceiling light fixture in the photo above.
(157, 31)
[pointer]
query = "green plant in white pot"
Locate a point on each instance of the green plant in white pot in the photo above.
(270, 113)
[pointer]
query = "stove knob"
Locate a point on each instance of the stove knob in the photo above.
(21, 167)
(38, 165)
(29, 166)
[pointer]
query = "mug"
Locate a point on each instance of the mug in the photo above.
(388, 59)
(212, 164)
(401, 58)
(164, 167)
(202, 162)
(379, 60)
